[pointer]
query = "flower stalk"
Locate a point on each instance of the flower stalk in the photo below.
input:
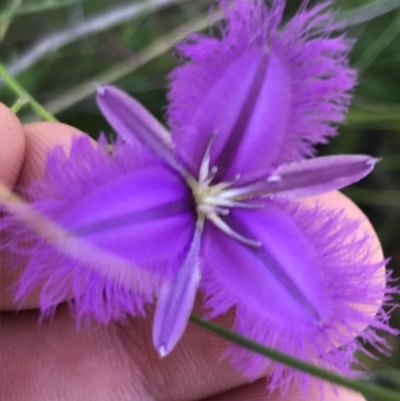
(365, 388)
(14, 85)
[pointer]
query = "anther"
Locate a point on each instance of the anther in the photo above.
(205, 164)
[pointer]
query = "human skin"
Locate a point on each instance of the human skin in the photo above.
(117, 362)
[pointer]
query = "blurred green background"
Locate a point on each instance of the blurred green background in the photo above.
(59, 50)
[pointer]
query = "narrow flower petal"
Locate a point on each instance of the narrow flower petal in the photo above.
(311, 177)
(300, 94)
(176, 298)
(133, 122)
(141, 216)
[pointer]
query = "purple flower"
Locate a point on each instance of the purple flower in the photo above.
(214, 206)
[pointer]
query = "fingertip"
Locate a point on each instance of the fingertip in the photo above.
(41, 137)
(338, 201)
(12, 146)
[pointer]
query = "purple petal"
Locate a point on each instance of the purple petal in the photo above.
(125, 224)
(262, 115)
(62, 263)
(227, 119)
(346, 286)
(176, 299)
(312, 177)
(279, 278)
(132, 216)
(133, 122)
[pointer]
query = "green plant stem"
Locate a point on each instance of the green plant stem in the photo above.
(21, 102)
(361, 386)
(22, 93)
(6, 18)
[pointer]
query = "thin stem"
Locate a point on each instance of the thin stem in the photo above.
(22, 93)
(363, 387)
(19, 104)
(6, 18)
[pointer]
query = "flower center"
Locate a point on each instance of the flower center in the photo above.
(214, 201)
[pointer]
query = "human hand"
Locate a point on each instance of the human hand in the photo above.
(56, 361)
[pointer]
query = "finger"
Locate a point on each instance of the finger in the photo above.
(12, 146)
(101, 363)
(42, 137)
(338, 201)
(257, 392)
(39, 139)
(57, 361)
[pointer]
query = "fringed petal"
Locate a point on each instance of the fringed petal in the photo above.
(276, 279)
(143, 217)
(269, 96)
(132, 216)
(351, 287)
(321, 79)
